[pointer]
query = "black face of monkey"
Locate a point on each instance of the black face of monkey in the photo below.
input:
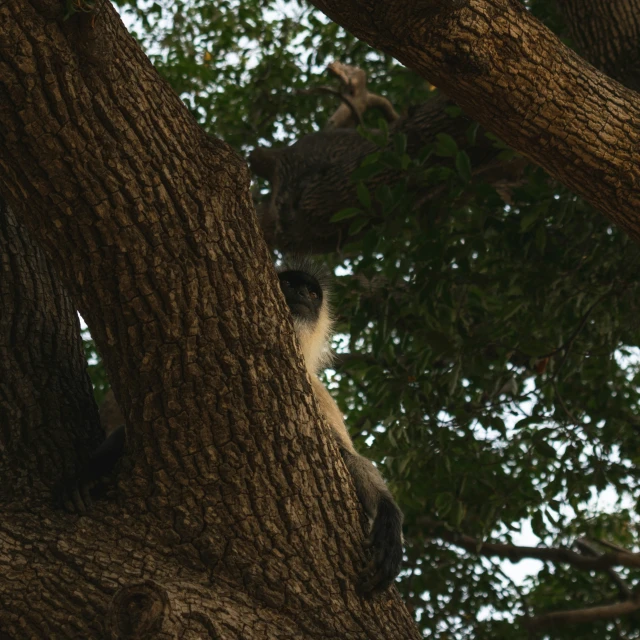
(303, 294)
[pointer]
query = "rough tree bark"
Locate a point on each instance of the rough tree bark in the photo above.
(46, 399)
(559, 107)
(311, 179)
(233, 517)
(607, 34)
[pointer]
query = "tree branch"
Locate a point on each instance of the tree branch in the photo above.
(517, 79)
(516, 553)
(607, 33)
(569, 343)
(588, 549)
(311, 179)
(581, 616)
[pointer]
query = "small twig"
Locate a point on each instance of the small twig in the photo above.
(567, 346)
(340, 95)
(621, 634)
(563, 406)
(610, 545)
(518, 589)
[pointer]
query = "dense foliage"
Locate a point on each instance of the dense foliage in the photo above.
(486, 339)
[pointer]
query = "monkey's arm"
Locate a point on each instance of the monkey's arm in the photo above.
(385, 535)
(76, 495)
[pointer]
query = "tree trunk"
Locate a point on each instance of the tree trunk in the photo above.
(234, 516)
(46, 401)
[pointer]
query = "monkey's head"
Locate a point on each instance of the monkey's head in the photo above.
(305, 288)
(303, 294)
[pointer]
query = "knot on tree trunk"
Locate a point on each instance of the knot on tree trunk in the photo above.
(138, 611)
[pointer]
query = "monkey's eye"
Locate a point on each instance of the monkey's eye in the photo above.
(286, 283)
(313, 295)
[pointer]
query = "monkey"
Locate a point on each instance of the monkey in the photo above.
(306, 290)
(305, 286)
(75, 494)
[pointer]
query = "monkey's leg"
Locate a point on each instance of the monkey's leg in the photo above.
(385, 536)
(76, 496)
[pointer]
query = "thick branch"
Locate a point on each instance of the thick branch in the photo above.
(588, 549)
(123, 214)
(311, 179)
(607, 33)
(517, 79)
(46, 400)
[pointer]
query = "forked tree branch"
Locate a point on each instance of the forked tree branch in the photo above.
(589, 549)
(515, 76)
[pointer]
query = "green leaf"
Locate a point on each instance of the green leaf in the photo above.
(364, 196)
(425, 153)
(463, 165)
(400, 143)
(526, 422)
(472, 132)
(529, 219)
(453, 378)
(384, 128)
(545, 449)
(433, 175)
(444, 502)
(358, 225)
(367, 171)
(372, 158)
(537, 524)
(445, 146)
(392, 160)
(458, 513)
(344, 214)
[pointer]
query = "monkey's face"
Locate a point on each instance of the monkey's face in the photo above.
(303, 294)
